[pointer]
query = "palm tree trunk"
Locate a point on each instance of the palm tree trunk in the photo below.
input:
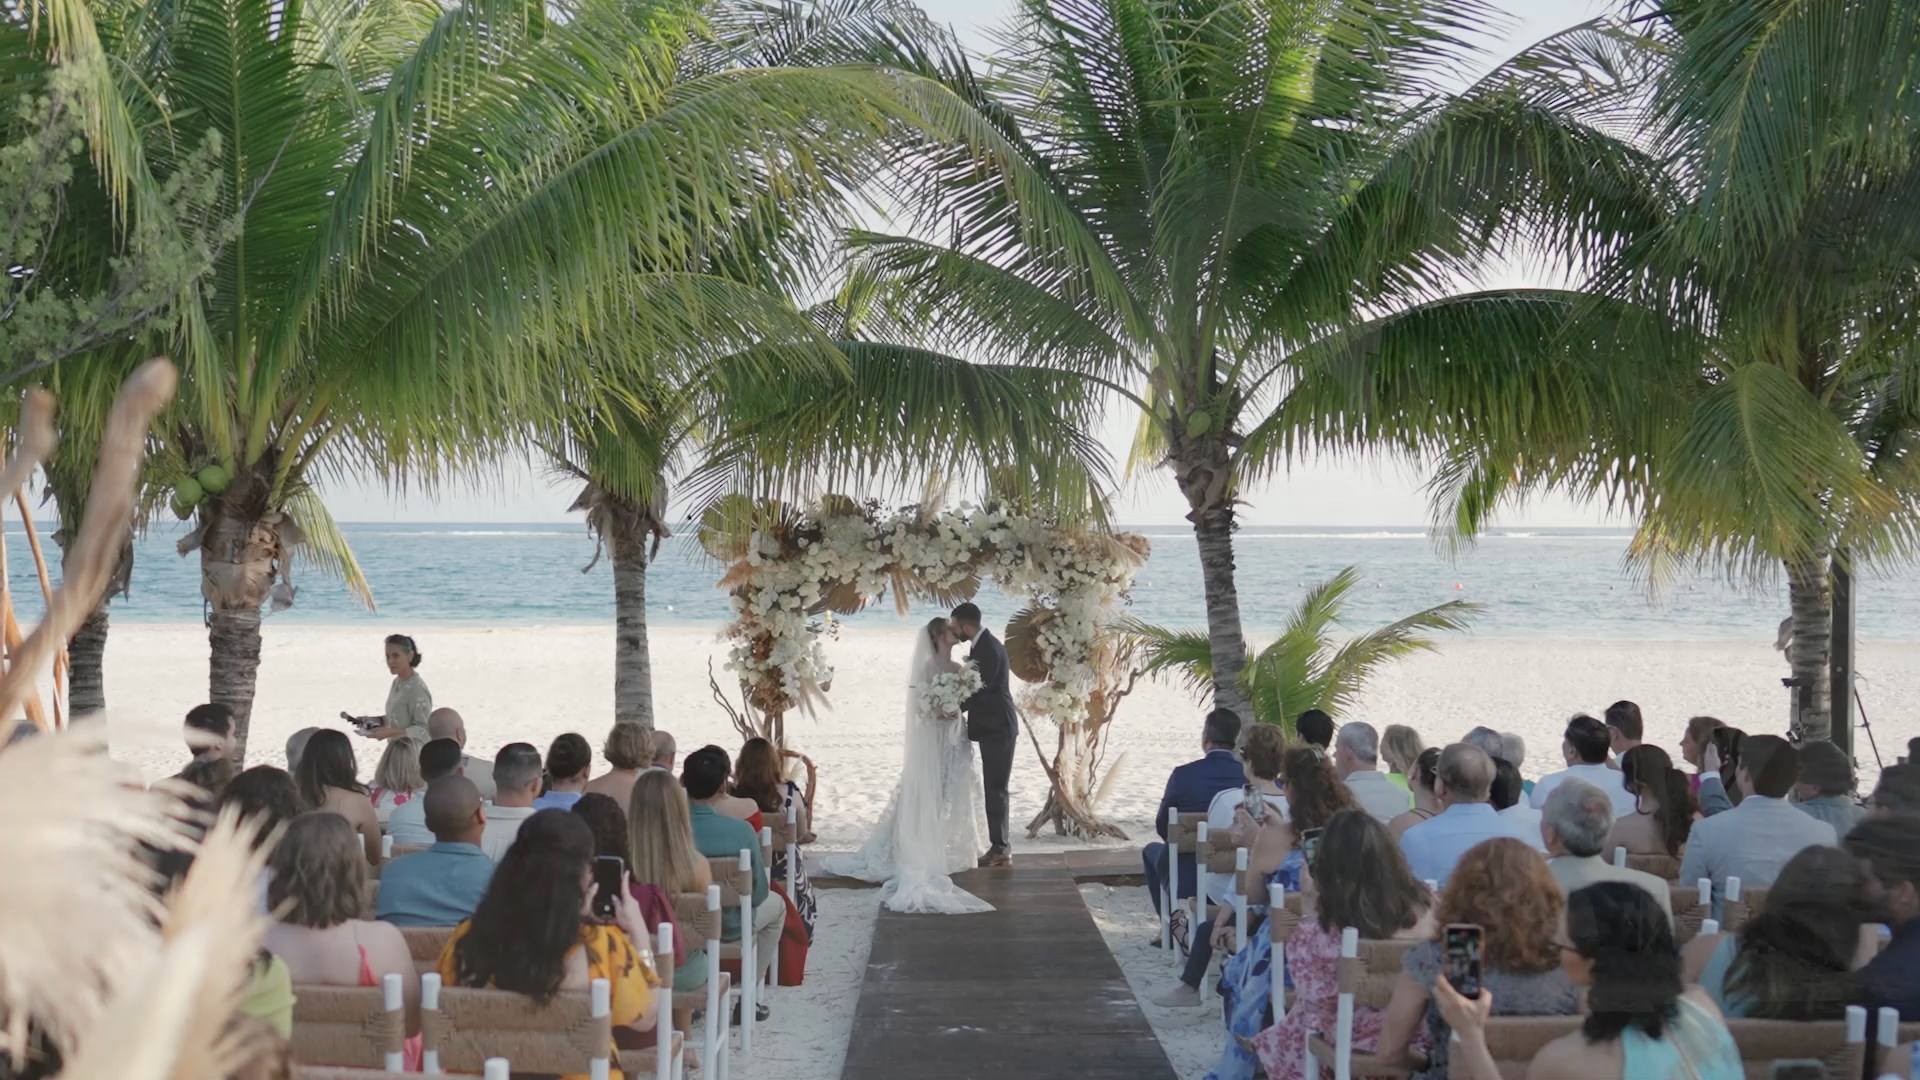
(86, 659)
(632, 664)
(237, 571)
(1810, 594)
(1205, 478)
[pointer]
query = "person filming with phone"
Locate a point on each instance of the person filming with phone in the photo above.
(1642, 1022)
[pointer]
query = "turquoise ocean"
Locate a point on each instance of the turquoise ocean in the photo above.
(1550, 583)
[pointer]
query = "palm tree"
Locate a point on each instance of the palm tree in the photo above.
(1742, 373)
(458, 224)
(1228, 181)
(1305, 667)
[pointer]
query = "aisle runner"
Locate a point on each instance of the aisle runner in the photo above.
(1028, 990)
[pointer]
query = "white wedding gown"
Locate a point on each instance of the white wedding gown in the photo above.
(933, 823)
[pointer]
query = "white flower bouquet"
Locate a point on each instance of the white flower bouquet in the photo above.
(946, 692)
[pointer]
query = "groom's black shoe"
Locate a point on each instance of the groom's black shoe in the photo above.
(997, 857)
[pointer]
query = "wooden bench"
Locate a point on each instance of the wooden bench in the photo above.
(360, 1026)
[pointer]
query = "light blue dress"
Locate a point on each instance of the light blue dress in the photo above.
(1696, 1046)
(1713, 978)
(1246, 984)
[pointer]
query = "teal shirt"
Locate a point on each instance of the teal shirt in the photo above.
(718, 836)
(437, 887)
(1696, 1046)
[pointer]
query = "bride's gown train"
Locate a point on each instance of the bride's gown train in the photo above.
(935, 818)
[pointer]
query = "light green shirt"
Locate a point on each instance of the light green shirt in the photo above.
(409, 704)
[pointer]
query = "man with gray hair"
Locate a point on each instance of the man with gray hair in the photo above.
(1574, 825)
(664, 750)
(1464, 781)
(1488, 740)
(1356, 757)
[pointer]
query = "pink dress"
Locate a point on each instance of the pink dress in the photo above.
(1313, 959)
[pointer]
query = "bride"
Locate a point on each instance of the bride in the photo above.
(933, 822)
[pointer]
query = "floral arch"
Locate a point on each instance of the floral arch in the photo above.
(790, 570)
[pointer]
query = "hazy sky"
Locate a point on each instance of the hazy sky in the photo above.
(1312, 493)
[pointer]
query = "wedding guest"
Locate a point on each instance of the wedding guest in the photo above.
(725, 803)
(297, 745)
(409, 702)
(718, 836)
(208, 730)
(397, 779)
(1314, 792)
(329, 780)
(665, 750)
(530, 933)
(1897, 792)
(1509, 795)
(1585, 746)
(318, 889)
(758, 777)
(1624, 727)
(1825, 790)
(264, 797)
(1889, 851)
(448, 724)
(1426, 802)
(1359, 879)
(1315, 728)
(1720, 763)
(1464, 784)
(408, 822)
(1488, 740)
(1514, 748)
(628, 749)
(1642, 1022)
(609, 824)
(1400, 747)
(1246, 985)
(1574, 827)
(1262, 753)
(443, 884)
(1797, 956)
(660, 835)
(569, 762)
(1753, 840)
(1662, 817)
(516, 782)
(1190, 790)
(1502, 886)
(1693, 745)
(1356, 757)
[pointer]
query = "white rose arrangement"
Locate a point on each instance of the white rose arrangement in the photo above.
(946, 692)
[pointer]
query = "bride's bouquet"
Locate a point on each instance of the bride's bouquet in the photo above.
(946, 692)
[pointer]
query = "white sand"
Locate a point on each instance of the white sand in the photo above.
(532, 683)
(1193, 1037)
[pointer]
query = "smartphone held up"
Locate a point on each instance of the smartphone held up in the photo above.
(1462, 960)
(609, 877)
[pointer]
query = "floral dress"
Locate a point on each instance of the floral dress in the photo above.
(1313, 970)
(803, 899)
(1246, 983)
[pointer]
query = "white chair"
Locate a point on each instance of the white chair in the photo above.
(773, 971)
(669, 1053)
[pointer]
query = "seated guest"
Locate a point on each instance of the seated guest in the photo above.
(1825, 790)
(443, 884)
(1753, 840)
(1514, 748)
(1574, 827)
(1720, 762)
(717, 836)
(1897, 792)
(1359, 879)
(265, 798)
(209, 731)
(1503, 887)
(1663, 805)
(1509, 794)
(297, 745)
(628, 749)
(1624, 727)
(730, 805)
(397, 779)
(1488, 740)
(1585, 745)
(759, 778)
(1424, 776)
(1464, 784)
(569, 762)
(1356, 757)
(1694, 741)
(1400, 747)
(531, 935)
(1315, 728)
(408, 822)
(1889, 851)
(665, 750)
(448, 724)
(1262, 754)
(661, 855)
(1190, 790)
(516, 782)
(609, 825)
(1642, 1022)
(1796, 958)
(329, 781)
(320, 876)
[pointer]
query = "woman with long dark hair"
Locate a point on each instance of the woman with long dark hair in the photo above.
(329, 780)
(1357, 878)
(1663, 805)
(533, 933)
(1642, 1022)
(758, 776)
(1796, 958)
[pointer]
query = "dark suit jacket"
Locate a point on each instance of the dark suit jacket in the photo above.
(1190, 790)
(990, 709)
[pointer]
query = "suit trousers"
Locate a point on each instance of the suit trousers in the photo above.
(996, 770)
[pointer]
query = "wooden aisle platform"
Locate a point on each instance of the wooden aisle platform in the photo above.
(1026, 991)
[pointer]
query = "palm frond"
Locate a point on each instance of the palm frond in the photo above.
(326, 547)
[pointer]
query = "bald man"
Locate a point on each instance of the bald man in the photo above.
(443, 884)
(448, 724)
(1464, 782)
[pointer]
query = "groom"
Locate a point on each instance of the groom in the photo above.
(991, 723)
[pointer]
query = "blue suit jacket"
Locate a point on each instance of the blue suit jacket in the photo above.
(1191, 789)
